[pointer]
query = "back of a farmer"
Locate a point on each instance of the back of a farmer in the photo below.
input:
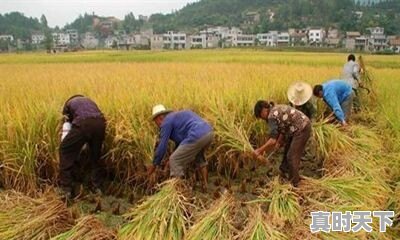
(338, 95)
(191, 134)
(88, 127)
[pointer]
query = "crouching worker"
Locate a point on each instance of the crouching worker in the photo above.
(191, 134)
(87, 127)
(285, 123)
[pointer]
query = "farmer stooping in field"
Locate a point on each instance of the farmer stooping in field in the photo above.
(191, 134)
(338, 95)
(285, 123)
(351, 74)
(88, 126)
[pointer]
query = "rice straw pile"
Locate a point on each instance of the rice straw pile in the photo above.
(88, 228)
(215, 223)
(22, 217)
(165, 215)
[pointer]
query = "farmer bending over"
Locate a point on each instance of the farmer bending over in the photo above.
(285, 121)
(338, 95)
(191, 134)
(88, 126)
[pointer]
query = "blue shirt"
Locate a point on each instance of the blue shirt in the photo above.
(183, 127)
(335, 92)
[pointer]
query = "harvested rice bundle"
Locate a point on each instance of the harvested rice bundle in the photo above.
(283, 202)
(216, 222)
(341, 191)
(88, 228)
(165, 215)
(22, 217)
(259, 228)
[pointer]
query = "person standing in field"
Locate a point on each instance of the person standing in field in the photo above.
(351, 74)
(88, 126)
(288, 124)
(338, 95)
(191, 134)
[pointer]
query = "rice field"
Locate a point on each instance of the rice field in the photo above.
(351, 169)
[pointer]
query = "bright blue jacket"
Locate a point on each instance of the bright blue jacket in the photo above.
(335, 92)
(183, 127)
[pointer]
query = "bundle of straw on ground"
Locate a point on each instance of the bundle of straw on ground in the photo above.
(22, 217)
(283, 202)
(259, 227)
(344, 193)
(215, 223)
(88, 228)
(165, 215)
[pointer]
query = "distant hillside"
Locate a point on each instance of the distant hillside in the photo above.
(20, 26)
(281, 14)
(253, 16)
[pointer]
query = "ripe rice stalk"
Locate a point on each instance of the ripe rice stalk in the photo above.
(165, 215)
(232, 132)
(88, 228)
(22, 217)
(259, 227)
(283, 202)
(330, 139)
(215, 223)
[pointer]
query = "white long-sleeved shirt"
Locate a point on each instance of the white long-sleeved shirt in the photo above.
(351, 74)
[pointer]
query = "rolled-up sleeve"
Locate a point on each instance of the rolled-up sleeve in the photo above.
(334, 104)
(165, 133)
(273, 128)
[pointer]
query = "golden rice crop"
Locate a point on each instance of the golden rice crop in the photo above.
(222, 87)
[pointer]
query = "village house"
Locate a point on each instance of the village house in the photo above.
(156, 42)
(73, 35)
(283, 39)
(394, 44)
(89, 41)
(298, 37)
(377, 39)
(316, 36)
(172, 40)
(268, 39)
(61, 41)
(37, 38)
(333, 38)
(6, 37)
(350, 40)
(243, 40)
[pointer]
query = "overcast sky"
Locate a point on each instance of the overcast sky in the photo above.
(60, 12)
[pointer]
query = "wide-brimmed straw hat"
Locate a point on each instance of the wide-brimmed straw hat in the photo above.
(158, 110)
(299, 93)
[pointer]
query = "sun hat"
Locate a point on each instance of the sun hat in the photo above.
(299, 93)
(158, 110)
